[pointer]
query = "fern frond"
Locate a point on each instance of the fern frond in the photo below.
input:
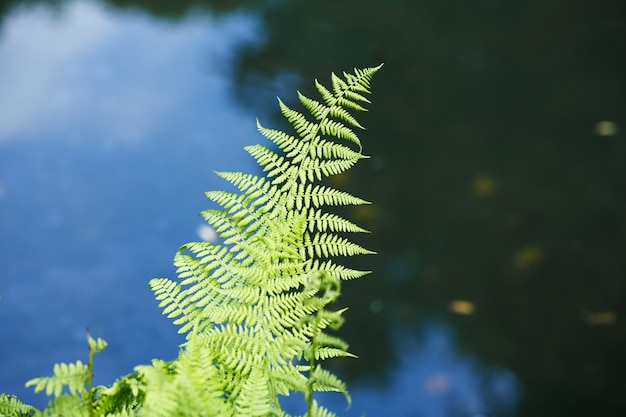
(289, 144)
(255, 308)
(314, 169)
(277, 167)
(289, 378)
(74, 376)
(245, 346)
(125, 412)
(95, 345)
(286, 311)
(161, 398)
(317, 109)
(317, 219)
(325, 381)
(187, 387)
(303, 127)
(336, 271)
(328, 245)
(285, 277)
(326, 149)
(10, 406)
(330, 342)
(328, 97)
(339, 85)
(321, 111)
(258, 302)
(234, 228)
(319, 411)
(338, 129)
(255, 399)
(262, 195)
(67, 405)
(176, 304)
(342, 114)
(122, 398)
(319, 195)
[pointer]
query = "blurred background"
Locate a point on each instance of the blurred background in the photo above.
(498, 176)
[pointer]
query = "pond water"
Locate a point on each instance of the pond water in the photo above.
(111, 126)
(498, 217)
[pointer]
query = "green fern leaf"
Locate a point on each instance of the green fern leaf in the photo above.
(74, 376)
(335, 271)
(325, 381)
(319, 411)
(321, 221)
(255, 399)
(300, 123)
(258, 300)
(329, 245)
(10, 406)
(67, 405)
(317, 109)
(338, 129)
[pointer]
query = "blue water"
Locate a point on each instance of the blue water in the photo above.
(110, 127)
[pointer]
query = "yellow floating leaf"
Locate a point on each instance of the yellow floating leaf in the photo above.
(462, 307)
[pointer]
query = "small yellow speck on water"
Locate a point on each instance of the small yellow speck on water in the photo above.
(483, 186)
(365, 212)
(462, 307)
(599, 318)
(339, 180)
(527, 257)
(606, 128)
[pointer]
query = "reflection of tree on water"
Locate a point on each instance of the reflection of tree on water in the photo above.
(498, 176)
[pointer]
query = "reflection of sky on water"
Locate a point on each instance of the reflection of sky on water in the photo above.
(440, 382)
(91, 75)
(432, 379)
(110, 126)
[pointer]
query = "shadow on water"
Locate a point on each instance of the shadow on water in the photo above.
(498, 176)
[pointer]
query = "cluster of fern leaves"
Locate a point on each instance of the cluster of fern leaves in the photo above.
(255, 308)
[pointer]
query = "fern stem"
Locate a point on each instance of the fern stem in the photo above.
(92, 353)
(309, 385)
(309, 388)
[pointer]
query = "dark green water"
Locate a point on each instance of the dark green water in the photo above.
(494, 179)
